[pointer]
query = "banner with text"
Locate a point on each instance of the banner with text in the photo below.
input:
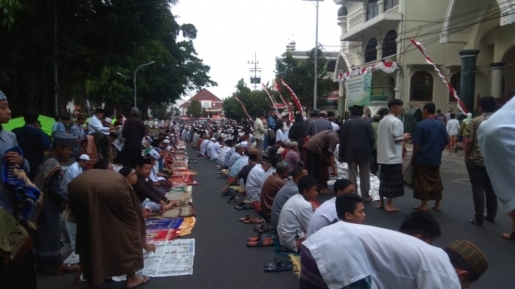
(358, 89)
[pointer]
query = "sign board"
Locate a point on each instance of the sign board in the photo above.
(206, 103)
(377, 94)
(358, 89)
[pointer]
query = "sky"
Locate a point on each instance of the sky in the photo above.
(231, 32)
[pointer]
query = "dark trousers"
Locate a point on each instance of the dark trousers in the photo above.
(374, 167)
(131, 157)
(481, 187)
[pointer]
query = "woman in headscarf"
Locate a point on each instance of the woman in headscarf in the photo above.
(463, 128)
(100, 201)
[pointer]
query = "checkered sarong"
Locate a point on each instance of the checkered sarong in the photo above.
(391, 182)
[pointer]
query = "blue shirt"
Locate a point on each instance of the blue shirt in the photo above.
(271, 122)
(432, 137)
(58, 127)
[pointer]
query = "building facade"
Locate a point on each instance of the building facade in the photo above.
(470, 41)
(210, 102)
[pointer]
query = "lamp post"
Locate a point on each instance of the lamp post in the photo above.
(315, 85)
(134, 79)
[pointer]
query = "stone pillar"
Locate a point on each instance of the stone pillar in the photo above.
(496, 86)
(380, 5)
(379, 49)
(341, 99)
(468, 77)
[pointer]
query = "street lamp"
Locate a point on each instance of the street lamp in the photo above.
(134, 79)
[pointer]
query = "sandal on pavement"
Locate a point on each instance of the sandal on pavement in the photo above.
(145, 281)
(265, 229)
(279, 265)
(67, 268)
(244, 207)
(265, 242)
(395, 210)
(254, 220)
(247, 217)
(510, 236)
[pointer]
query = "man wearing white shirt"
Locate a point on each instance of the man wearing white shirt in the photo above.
(99, 131)
(255, 180)
(76, 168)
(496, 138)
(214, 148)
(296, 214)
(204, 144)
(453, 127)
(260, 131)
(326, 213)
(346, 255)
(223, 154)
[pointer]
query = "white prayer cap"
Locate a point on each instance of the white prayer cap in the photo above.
(108, 120)
(244, 144)
(84, 157)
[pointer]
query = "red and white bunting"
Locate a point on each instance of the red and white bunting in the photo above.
(271, 99)
(461, 105)
(277, 88)
(243, 106)
(386, 66)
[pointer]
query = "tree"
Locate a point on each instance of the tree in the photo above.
(255, 101)
(8, 9)
(300, 77)
(159, 110)
(96, 40)
(195, 109)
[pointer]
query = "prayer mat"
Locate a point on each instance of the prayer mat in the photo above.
(295, 259)
(162, 229)
(186, 226)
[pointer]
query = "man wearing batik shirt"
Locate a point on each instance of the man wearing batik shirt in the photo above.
(479, 178)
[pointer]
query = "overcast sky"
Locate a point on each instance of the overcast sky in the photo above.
(231, 31)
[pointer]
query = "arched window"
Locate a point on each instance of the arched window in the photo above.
(455, 82)
(390, 43)
(331, 66)
(372, 9)
(371, 50)
(389, 4)
(421, 86)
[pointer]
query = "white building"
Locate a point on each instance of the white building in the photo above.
(471, 42)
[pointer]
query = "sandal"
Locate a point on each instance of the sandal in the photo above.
(510, 236)
(279, 265)
(244, 207)
(395, 210)
(264, 229)
(265, 242)
(67, 268)
(247, 217)
(254, 220)
(259, 226)
(261, 236)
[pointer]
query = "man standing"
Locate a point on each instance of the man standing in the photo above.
(319, 124)
(390, 136)
(474, 160)
(51, 183)
(330, 117)
(356, 143)
(429, 140)
(33, 142)
(22, 273)
(259, 132)
(298, 130)
(77, 129)
(497, 140)
(441, 117)
(133, 132)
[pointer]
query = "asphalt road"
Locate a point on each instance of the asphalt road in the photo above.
(223, 261)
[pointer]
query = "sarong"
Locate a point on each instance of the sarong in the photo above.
(428, 184)
(391, 182)
(317, 167)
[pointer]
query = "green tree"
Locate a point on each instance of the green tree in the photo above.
(159, 110)
(8, 8)
(300, 77)
(255, 101)
(195, 109)
(96, 40)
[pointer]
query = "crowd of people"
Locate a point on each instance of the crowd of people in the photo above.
(275, 167)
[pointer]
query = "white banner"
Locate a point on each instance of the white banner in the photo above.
(206, 103)
(358, 89)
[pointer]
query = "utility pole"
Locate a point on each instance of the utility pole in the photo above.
(56, 81)
(315, 85)
(255, 80)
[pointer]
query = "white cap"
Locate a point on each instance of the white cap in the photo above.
(154, 154)
(244, 144)
(84, 157)
(166, 141)
(108, 120)
(213, 139)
